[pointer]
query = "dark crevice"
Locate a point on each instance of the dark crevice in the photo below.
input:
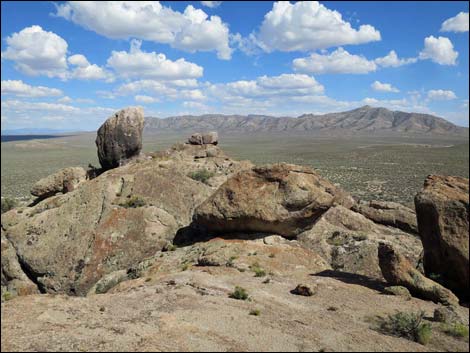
(32, 275)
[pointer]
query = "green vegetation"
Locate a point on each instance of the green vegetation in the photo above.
(8, 204)
(6, 296)
(407, 325)
(229, 262)
(458, 330)
(255, 312)
(133, 202)
(202, 175)
(239, 293)
(256, 268)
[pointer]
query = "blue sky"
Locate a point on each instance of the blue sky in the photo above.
(70, 65)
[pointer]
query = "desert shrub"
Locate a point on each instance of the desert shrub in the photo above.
(8, 204)
(133, 202)
(407, 325)
(202, 175)
(456, 330)
(239, 293)
(229, 262)
(255, 312)
(272, 255)
(6, 296)
(256, 268)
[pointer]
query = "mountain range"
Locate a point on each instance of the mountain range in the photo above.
(366, 120)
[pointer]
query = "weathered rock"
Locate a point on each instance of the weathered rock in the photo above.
(120, 137)
(110, 223)
(442, 208)
(13, 278)
(109, 281)
(389, 214)
(64, 180)
(398, 271)
(398, 291)
(196, 139)
(282, 199)
(349, 241)
(303, 290)
(210, 138)
(446, 314)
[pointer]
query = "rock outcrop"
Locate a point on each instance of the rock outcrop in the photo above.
(63, 181)
(68, 242)
(398, 271)
(349, 242)
(389, 213)
(120, 137)
(282, 199)
(209, 138)
(442, 208)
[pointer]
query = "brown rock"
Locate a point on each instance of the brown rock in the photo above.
(397, 270)
(282, 199)
(390, 214)
(303, 290)
(120, 137)
(65, 180)
(210, 138)
(442, 208)
(196, 139)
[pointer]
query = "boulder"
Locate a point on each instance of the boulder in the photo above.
(210, 138)
(281, 199)
(389, 213)
(120, 137)
(399, 291)
(196, 139)
(349, 242)
(63, 181)
(442, 208)
(398, 271)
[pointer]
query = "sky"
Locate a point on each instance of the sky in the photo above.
(71, 65)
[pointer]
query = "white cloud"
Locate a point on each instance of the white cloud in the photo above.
(37, 52)
(392, 60)
(440, 50)
(196, 105)
(140, 64)
(172, 90)
(211, 4)
(457, 23)
(190, 31)
(86, 71)
(439, 94)
(384, 87)
(145, 99)
(338, 62)
(21, 89)
(308, 25)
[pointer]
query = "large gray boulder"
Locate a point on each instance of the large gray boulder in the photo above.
(442, 209)
(120, 137)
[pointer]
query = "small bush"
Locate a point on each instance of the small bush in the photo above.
(133, 202)
(456, 330)
(255, 312)
(272, 256)
(256, 268)
(8, 204)
(6, 296)
(202, 175)
(239, 293)
(229, 263)
(407, 325)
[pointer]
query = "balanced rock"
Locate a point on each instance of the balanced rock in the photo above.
(120, 137)
(442, 208)
(63, 181)
(279, 199)
(390, 214)
(398, 271)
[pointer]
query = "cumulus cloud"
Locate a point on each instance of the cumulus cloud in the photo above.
(383, 87)
(439, 94)
(458, 23)
(37, 52)
(86, 71)
(21, 89)
(308, 25)
(190, 31)
(212, 4)
(392, 60)
(140, 64)
(338, 62)
(145, 99)
(440, 50)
